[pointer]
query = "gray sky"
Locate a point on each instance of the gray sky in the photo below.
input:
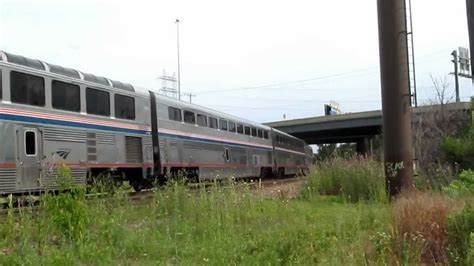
(254, 59)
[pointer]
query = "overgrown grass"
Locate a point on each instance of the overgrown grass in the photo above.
(335, 221)
(213, 225)
(355, 179)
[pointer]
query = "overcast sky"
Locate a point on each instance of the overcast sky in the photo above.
(254, 59)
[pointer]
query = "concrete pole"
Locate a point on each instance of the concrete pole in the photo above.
(396, 106)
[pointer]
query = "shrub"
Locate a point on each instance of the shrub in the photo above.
(461, 237)
(67, 209)
(460, 150)
(463, 185)
(419, 221)
(354, 179)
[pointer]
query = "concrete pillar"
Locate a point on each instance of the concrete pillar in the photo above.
(363, 147)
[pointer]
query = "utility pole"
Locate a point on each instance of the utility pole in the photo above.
(470, 24)
(456, 74)
(190, 96)
(179, 73)
(396, 98)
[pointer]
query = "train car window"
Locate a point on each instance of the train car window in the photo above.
(65, 96)
(231, 127)
(26, 89)
(240, 129)
(265, 134)
(174, 114)
(227, 154)
(260, 133)
(201, 120)
(98, 102)
(254, 132)
(247, 131)
(30, 143)
(189, 118)
(213, 122)
(124, 107)
(223, 124)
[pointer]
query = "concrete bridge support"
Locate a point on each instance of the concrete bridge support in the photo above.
(363, 147)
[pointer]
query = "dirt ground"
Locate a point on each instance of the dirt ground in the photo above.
(281, 189)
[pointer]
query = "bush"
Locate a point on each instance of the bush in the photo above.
(463, 185)
(354, 179)
(461, 237)
(460, 150)
(67, 209)
(420, 227)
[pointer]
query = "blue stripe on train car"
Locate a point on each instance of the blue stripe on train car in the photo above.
(46, 121)
(210, 141)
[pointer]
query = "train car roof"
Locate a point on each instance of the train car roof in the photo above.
(72, 73)
(209, 111)
(64, 71)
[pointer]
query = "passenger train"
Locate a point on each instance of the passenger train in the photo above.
(51, 115)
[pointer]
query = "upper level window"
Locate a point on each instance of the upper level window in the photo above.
(124, 107)
(223, 124)
(260, 133)
(231, 127)
(98, 102)
(247, 130)
(265, 134)
(213, 122)
(254, 132)
(240, 129)
(0, 83)
(174, 114)
(201, 120)
(26, 89)
(189, 118)
(65, 96)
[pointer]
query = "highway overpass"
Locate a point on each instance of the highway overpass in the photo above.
(349, 128)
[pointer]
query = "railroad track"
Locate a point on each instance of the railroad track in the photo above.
(31, 202)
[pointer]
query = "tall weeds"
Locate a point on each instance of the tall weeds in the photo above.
(420, 222)
(355, 179)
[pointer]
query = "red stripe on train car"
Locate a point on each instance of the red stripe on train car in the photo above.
(105, 164)
(7, 164)
(177, 164)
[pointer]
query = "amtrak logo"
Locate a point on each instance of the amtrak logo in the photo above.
(63, 153)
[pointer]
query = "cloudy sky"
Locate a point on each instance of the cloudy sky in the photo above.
(255, 59)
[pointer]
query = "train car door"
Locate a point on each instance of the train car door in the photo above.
(255, 165)
(29, 154)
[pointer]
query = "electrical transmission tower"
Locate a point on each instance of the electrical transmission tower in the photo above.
(168, 86)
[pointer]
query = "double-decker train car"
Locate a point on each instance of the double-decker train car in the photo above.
(52, 115)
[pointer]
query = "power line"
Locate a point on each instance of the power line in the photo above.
(318, 78)
(292, 82)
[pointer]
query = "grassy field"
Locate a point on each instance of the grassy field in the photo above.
(332, 221)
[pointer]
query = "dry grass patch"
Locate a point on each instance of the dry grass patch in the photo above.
(420, 222)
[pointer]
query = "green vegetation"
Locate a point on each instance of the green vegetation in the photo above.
(354, 179)
(460, 150)
(339, 217)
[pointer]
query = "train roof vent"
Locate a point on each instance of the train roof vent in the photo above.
(20, 60)
(96, 79)
(123, 86)
(64, 71)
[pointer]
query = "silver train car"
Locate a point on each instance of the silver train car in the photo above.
(52, 115)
